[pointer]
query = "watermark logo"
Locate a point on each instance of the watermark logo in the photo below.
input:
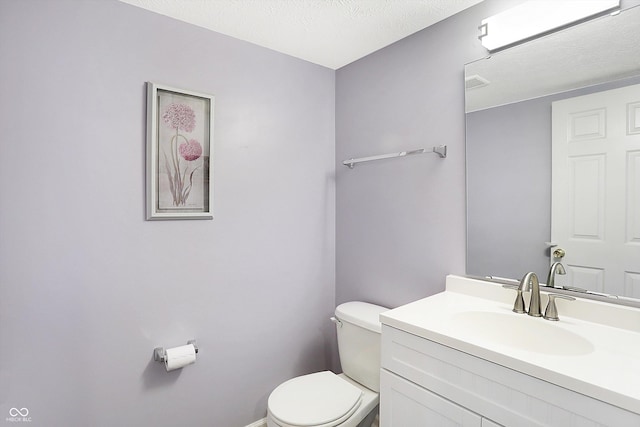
(18, 415)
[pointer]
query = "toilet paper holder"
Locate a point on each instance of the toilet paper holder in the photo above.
(159, 353)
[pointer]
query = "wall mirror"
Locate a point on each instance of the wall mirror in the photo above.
(509, 101)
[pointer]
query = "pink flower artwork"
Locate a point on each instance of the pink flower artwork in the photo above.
(180, 162)
(191, 150)
(180, 117)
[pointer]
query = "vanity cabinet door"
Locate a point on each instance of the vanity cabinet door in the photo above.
(404, 404)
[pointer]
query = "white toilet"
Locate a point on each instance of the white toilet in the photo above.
(324, 399)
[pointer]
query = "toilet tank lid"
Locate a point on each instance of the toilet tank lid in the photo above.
(361, 314)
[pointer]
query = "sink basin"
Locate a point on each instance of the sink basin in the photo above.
(520, 331)
(593, 350)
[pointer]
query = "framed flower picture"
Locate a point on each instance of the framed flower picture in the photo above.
(179, 153)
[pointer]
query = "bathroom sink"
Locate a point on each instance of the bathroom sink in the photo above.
(594, 349)
(522, 332)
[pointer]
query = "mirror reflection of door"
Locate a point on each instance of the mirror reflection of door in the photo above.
(596, 190)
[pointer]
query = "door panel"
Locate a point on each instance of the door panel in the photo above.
(596, 190)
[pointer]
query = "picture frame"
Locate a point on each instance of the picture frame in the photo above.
(179, 154)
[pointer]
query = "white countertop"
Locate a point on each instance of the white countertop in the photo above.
(596, 350)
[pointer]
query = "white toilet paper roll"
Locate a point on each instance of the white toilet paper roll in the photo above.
(177, 357)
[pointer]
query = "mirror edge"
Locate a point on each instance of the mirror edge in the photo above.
(610, 299)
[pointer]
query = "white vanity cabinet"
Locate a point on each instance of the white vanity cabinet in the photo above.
(407, 404)
(424, 383)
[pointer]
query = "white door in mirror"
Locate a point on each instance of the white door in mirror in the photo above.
(596, 190)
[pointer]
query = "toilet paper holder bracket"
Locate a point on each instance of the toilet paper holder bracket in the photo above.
(159, 355)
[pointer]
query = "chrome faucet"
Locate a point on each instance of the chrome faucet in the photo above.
(530, 280)
(556, 268)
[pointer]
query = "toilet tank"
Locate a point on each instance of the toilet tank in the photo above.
(359, 342)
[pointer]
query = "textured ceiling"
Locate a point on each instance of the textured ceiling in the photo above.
(597, 51)
(332, 33)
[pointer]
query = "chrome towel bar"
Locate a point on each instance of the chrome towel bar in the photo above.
(440, 150)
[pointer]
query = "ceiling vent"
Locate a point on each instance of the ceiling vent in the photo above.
(475, 81)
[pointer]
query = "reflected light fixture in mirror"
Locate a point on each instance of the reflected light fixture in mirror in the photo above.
(538, 17)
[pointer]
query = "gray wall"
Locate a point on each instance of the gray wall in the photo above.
(509, 189)
(88, 288)
(401, 222)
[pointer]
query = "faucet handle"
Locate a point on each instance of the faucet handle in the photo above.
(518, 304)
(551, 312)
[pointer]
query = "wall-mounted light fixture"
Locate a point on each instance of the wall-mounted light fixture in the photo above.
(534, 18)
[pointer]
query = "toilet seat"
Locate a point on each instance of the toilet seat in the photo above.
(322, 399)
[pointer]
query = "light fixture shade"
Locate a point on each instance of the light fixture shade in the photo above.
(536, 17)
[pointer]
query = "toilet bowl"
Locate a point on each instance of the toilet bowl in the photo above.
(325, 399)
(322, 399)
